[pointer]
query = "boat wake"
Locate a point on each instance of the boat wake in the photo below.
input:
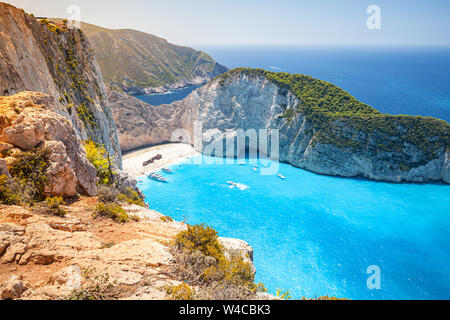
(240, 186)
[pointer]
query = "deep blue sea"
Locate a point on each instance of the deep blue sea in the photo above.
(316, 235)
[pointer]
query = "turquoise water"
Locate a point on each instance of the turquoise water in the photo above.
(317, 235)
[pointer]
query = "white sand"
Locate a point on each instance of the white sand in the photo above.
(171, 154)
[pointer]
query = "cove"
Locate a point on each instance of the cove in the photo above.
(170, 96)
(318, 235)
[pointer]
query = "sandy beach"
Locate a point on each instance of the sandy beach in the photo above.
(171, 154)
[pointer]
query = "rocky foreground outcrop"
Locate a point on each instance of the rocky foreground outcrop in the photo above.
(52, 59)
(378, 147)
(46, 257)
(27, 121)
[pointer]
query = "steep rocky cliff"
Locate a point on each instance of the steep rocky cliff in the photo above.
(140, 63)
(44, 57)
(321, 127)
(140, 124)
(27, 121)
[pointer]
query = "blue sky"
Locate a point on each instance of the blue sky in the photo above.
(262, 22)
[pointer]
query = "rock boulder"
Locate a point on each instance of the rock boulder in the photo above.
(34, 125)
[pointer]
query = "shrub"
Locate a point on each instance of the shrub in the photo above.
(108, 194)
(201, 238)
(7, 195)
(180, 292)
(112, 211)
(108, 245)
(51, 206)
(166, 219)
(84, 112)
(131, 196)
(96, 286)
(283, 295)
(29, 171)
(99, 158)
(201, 260)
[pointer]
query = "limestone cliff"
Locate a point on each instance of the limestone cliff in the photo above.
(141, 63)
(44, 57)
(27, 121)
(140, 124)
(321, 127)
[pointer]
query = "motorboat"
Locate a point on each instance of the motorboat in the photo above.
(167, 170)
(157, 177)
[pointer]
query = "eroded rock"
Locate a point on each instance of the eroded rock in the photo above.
(13, 243)
(36, 125)
(62, 179)
(12, 289)
(69, 277)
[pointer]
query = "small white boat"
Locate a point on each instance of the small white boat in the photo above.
(157, 177)
(167, 170)
(282, 177)
(241, 163)
(255, 169)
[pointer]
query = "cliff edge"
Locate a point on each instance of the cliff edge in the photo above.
(45, 57)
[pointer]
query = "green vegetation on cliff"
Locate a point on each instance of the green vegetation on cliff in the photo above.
(339, 119)
(28, 178)
(136, 59)
(203, 262)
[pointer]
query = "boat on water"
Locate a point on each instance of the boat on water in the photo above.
(255, 169)
(167, 170)
(157, 177)
(282, 177)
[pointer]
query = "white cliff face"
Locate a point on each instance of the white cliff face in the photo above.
(246, 102)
